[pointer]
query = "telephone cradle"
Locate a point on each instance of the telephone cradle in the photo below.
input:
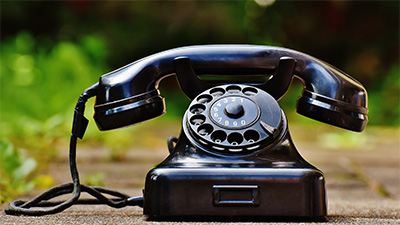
(234, 156)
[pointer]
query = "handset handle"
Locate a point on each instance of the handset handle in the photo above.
(192, 85)
(330, 95)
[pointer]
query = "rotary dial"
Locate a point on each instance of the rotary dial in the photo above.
(233, 119)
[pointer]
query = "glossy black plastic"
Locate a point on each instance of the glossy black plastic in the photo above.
(235, 192)
(327, 89)
(270, 181)
(128, 111)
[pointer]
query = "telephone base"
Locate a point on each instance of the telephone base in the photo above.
(235, 192)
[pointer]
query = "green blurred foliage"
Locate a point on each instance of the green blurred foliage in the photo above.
(14, 171)
(40, 81)
(94, 179)
(384, 102)
(39, 85)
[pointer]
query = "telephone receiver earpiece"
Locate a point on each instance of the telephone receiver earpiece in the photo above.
(130, 94)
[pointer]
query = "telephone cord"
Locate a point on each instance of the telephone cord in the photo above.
(119, 200)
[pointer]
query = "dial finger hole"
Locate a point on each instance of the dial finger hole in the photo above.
(218, 136)
(197, 120)
(251, 136)
(205, 129)
(235, 138)
(216, 92)
(233, 89)
(204, 99)
(249, 91)
(197, 109)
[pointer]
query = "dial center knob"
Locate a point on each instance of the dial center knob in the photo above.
(234, 110)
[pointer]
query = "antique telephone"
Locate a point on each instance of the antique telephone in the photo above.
(234, 156)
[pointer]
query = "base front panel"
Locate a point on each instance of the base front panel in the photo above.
(235, 192)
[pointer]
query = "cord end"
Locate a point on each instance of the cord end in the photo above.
(135, 201)
(79, 125)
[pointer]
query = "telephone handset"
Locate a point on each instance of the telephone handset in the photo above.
(234, 156)
(329, 95)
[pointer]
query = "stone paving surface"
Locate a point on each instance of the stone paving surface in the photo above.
(363, 184)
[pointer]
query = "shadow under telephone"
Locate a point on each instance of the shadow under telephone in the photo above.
(234, 156)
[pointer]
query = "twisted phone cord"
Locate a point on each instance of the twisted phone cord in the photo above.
(19, 207)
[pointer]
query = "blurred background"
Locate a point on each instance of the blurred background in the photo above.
(52, 51)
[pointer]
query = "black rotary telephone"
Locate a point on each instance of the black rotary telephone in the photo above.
(234, 156)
